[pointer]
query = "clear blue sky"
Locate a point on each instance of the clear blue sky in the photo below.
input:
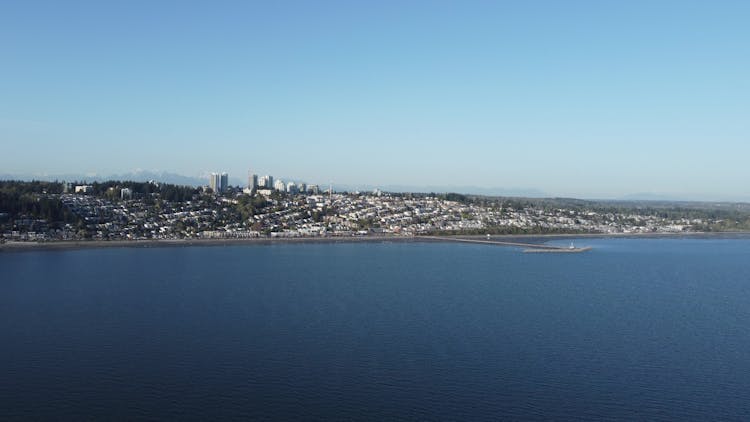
(577, 98)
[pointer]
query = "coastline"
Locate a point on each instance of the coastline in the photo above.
(526, 238)
(160, 243)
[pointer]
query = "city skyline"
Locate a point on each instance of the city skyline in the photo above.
(579, 99)
(204, 180)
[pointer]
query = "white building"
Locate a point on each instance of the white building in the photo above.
(265, 182)
(126, 193)
(84, 189)
(252, 181)
(218, 182)
(214, 182)
(279, 185)
(291, 187)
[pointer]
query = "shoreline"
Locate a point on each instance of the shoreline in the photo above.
(526, 238)
(165, 243)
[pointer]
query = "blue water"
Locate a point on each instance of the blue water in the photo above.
(635, 329)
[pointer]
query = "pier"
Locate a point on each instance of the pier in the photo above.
(529, 247)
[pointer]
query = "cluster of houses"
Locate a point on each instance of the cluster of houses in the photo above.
(293, 214)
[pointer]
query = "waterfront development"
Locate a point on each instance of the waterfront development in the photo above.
(121, 211)
(635, 329)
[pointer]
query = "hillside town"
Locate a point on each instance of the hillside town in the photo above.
(274, 209)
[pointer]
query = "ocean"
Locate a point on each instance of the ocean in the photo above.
(635, 329)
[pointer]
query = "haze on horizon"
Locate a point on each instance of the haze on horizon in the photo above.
(582, 99)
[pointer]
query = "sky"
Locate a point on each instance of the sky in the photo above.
(588, 99)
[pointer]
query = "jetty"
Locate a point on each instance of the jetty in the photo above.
(557, 250)
(529, 247)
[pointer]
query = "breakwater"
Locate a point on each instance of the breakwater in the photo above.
(529, 247)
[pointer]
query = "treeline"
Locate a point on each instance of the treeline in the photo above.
(40, 200)
(247, 206)
(16, 186)
(167, 192)
(33, 200)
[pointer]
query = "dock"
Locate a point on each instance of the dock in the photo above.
(529, 247)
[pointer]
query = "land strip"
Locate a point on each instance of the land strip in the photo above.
(535, 242)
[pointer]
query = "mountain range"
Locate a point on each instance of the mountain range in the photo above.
(179, 179)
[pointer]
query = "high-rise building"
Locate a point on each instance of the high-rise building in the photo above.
(252, 181)
(279, 185)
(214, 182)
(266, 182)
(291, 187)
(218, 182)
(224, 182)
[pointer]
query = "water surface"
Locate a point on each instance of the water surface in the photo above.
(654, 329)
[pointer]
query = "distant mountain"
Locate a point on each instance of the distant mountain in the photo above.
(649, 196)
(160, 176)
(135, 176)
(178, 179)
(695, 197)
(470, 190)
